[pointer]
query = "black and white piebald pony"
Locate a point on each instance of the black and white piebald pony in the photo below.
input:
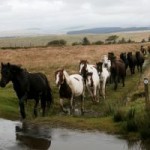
(70, 86)
(91, 78)
(104, 74)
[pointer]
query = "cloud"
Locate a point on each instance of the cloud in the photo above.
(56, 15)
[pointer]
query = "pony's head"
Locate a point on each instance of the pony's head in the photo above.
(8, 72)
(129, 55)
(99, 66)
(111, 55)
(104, 58)
(123, 55)
(83, 67)
(59, 77)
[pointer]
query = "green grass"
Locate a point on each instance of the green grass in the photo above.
(8, 103)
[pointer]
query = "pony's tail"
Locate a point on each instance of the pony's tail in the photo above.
(49, 96)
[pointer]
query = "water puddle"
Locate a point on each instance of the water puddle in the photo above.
(15, 135)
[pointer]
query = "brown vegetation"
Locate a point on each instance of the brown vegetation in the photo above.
(48, 60)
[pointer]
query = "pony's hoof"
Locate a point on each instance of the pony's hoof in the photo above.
(97, 101)
(82, 113)
(18, 129)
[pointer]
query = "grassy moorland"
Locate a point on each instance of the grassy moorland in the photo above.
(111, 115)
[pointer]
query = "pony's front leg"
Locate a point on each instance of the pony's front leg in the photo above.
(72, 105)
(138, 68)
(141, 70)
(100, 88)
(91, 94)
(62, 106)
(35, 107)
(82, 104)
(103, 89)
(123, 81)
(131, 70)
(134, 70)
(94, 94)
(21, 105)
(116, 83)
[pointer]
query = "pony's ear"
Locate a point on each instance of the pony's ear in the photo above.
(20, 65)
(8, 64)
(97, 63)
(2, 64)
(86, 61)
(80, 61)
(62, 69)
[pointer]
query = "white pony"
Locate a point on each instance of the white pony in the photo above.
(70, 86)
(91, 78)
(106, 62)
(104, 74)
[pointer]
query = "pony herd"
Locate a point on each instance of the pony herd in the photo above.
(92, 77)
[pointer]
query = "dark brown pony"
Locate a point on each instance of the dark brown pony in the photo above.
(27, 86)
(123, 57)
(132, 62)
(118, 70)
(140, 61)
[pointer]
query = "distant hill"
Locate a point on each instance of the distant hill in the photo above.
(108, 30)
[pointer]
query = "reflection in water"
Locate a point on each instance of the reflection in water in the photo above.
(33, 137)
(145, 145)
(139, 145)
(18, 136)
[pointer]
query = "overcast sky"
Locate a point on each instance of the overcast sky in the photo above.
(61, 15)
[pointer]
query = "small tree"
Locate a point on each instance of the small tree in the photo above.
(129, 41)
(122, 40)
(143, 41)
(85, 41)
(98, 43)
(57, 43)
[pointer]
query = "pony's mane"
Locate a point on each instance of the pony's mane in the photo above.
(17, 68)
(84, 62)
(14, 68)
(59, 70)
